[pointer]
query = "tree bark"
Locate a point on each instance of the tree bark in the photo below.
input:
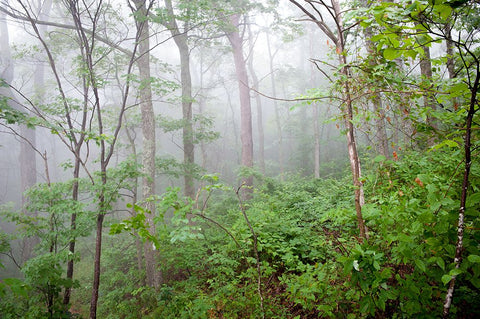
(347, 104)
(96, 266)
(27, 159)
(474, 87)
(258, 102)
(278, 120)
(236, 42)
(348, 116)
(181, 38)
(153, 277)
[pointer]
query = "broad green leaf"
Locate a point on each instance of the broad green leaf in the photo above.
(420, 264)
(444, 10)
(446, 143)
(455, 272)
(473, 200)
(446, 279)
(474, 258)
(379, 158)
(441, 263)
(458, 89)
(391, 53)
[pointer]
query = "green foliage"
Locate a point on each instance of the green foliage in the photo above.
(38, 295)
(201, 125)
(312, 263)
(11, 115)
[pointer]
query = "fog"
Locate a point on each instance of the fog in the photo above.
(51, 89)
(215, 95)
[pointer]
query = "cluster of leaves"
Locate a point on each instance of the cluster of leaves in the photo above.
(45, 219)
(311, 260)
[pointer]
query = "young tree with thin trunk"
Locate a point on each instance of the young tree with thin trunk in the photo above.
(338, 37)
(433, 23)
(72, 133)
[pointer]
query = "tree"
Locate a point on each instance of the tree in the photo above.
(258, 100)
(432, 23)
(27, 144)
(180, 36)
(141, 12)
(278, 122)
(65, 127)
(338, 39)
(381, 138)
(236, 41)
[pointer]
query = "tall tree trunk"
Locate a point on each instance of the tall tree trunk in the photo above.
(203, 148)
(73, 227)
(153, 277)
(315, 114)
(316, 136)
(236, 42)
(133, 212)
(450, 51)
(27, 158)
(180, 38)
(278, 120)
(96, 265)
(338, 38)
(258, 102)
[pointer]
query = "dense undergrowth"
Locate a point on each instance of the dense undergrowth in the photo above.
(312, 262)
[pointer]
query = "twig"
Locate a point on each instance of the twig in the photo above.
(255, 248)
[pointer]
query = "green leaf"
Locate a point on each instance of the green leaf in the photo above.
(455, 272)
(379, 158)
(18, 286)
(446, 143)
(441, 263)
(391, 53)
(446, 279)
(473, 199)
(444, 10)
(474, 258)
(458, 89)
(420, 264)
